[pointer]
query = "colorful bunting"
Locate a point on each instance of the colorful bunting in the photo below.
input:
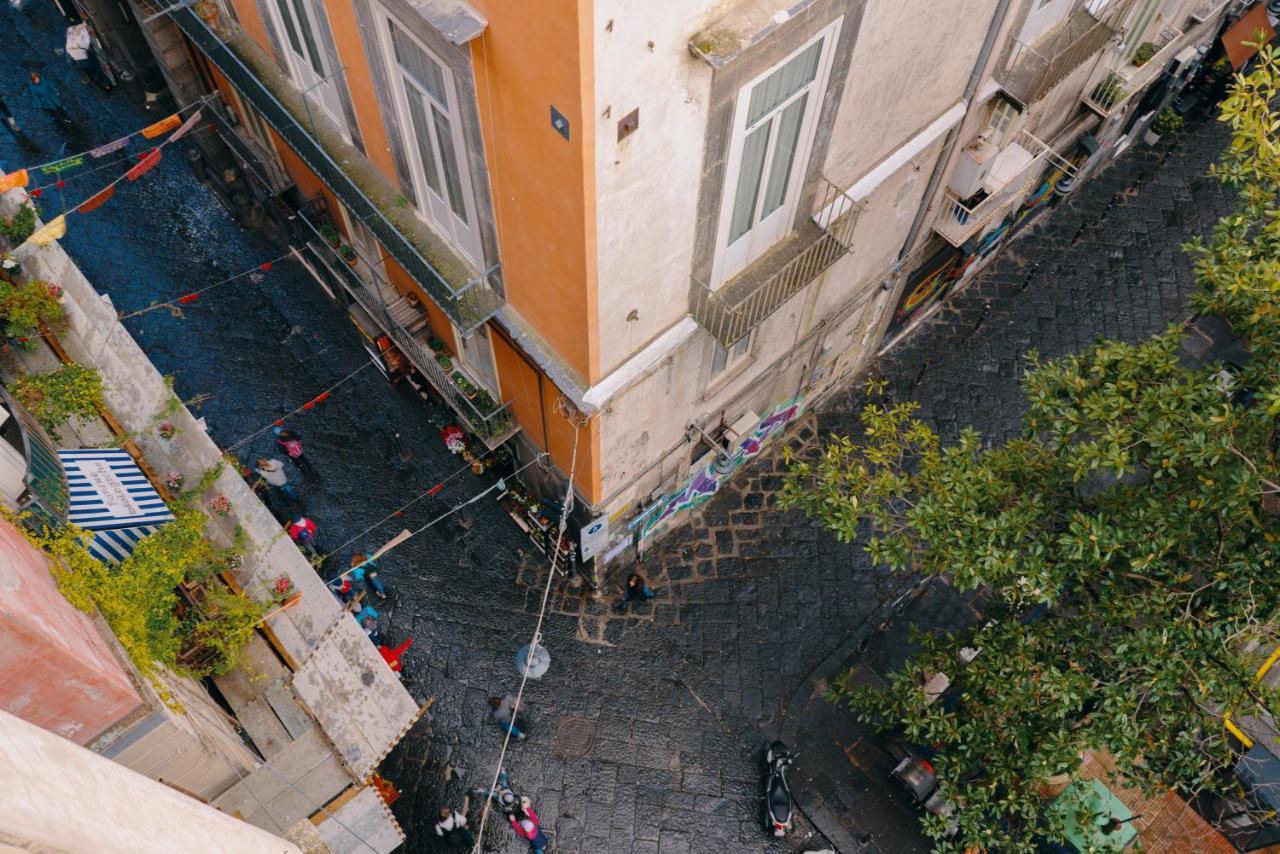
(264, 266)
(49, 232)
(36, 192)
(188, 298)
(145, 165)
(110, 147)
(97, 200)
(163, 126)
(186, 126)
(13, 179)
(63, 165)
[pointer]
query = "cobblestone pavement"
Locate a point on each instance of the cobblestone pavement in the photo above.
(647, 733)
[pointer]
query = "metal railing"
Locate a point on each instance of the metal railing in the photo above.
(493, 427)
(737, 307)
(1031, 71)
(469, 302)
(1123, 79)
(959, 219)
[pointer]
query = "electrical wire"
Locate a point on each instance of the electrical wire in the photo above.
(309, 403)
(533, 643)
(190, 297)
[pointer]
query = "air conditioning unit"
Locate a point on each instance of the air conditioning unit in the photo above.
(973, 165)
(1186, 62)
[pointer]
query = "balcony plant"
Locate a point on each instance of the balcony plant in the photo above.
(437, 345)
(1143, 54)
(348, 254)
(330, 235)
(18, 228)
(465, 385)
(1109, 91)
(484, 402)
(1166, 121)
(55, 396)
(443, 360)
(23, 307)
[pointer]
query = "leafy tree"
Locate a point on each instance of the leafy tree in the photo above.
(1134, 517)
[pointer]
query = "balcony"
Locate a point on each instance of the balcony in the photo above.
(1018, 166)
(741, 304)
(1208, 10)
(467, 296)
(1122, 79)
(1031, 71)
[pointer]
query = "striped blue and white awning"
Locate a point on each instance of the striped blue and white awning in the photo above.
(111, 497)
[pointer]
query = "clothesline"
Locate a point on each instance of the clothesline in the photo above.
(310, 404)
(191, 297)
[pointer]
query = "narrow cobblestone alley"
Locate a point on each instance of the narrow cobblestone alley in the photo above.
(673, 704)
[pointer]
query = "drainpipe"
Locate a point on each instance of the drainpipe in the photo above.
(944, 160)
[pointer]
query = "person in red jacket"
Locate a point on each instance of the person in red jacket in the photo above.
(392, 656)
(303, 532)
(526, 825)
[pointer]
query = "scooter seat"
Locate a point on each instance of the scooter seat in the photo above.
(779, 802)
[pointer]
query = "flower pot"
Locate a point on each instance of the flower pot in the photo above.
(291, 599)
(477, 467)
(352, 260)
(1151, 137)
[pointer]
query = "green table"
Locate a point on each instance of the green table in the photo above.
(1086, 808)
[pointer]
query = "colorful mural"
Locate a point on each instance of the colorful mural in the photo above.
(925, 286)
(705, 483)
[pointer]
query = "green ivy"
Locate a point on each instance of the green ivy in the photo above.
(24, 306)
(55, 396)
(18, 228)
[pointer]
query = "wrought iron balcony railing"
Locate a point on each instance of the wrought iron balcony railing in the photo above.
(960, 219)
(1122, 79)
(734, 309)
(467, 297)
(1031, 71)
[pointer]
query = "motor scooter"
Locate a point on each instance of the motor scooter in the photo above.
(779, 812)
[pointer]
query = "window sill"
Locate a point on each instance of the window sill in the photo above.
(720, 381)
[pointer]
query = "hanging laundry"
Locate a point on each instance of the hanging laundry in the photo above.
(163, 126)
(110, 147)
(186, 126)
(145, 165)
(97, 200)
(13, 179)
(52, 230)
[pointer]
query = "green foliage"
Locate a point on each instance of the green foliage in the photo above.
(1109, 90)
(23, 307)
(139, 599)
(1166, 121)
(1138, 507)
(1145, 51)
(18, 228)
(60, 394)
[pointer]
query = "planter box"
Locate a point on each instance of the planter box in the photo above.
(1150, 138)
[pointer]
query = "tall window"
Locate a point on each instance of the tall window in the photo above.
(775, 119)
(1003, 113)
(428, 108)
(300, 20)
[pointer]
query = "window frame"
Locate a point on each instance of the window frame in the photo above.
(319, 90)
(728, 357)
(726, 263)
(433, 204)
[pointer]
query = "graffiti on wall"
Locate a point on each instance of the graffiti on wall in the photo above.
(707, 481)
(926, 285)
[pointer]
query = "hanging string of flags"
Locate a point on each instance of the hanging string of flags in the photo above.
(306, 407)
(187, 299)
(56, 228)
(72, 161)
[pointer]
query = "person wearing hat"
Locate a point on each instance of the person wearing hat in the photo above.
(504, 798)
(303, 532)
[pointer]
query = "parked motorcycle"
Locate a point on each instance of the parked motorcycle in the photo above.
(917, 776)
(779, 812)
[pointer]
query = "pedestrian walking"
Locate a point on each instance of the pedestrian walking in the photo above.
(365, 573)
(504, 797)
(528, 827)
(635, 591)
(453, 827)
(342, 588)
(8, 116)
(361, 611)
(395, 657)
(45, 97)
(303, 532)
(288, 441)
(273, 474)
(504, 716)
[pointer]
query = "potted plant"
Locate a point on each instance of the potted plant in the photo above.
(465, 386)
(443, 360)
(348, 254)
(10, 265)
(1143, 54)
(23, 307)
(1166, 121)
(484, 402)
(330, 235)
(1109, 91)
(18, 228)
(436, 343)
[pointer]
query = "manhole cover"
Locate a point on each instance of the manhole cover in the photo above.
(574, 737)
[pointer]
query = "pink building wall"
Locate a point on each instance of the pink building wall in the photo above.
(56, 669)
